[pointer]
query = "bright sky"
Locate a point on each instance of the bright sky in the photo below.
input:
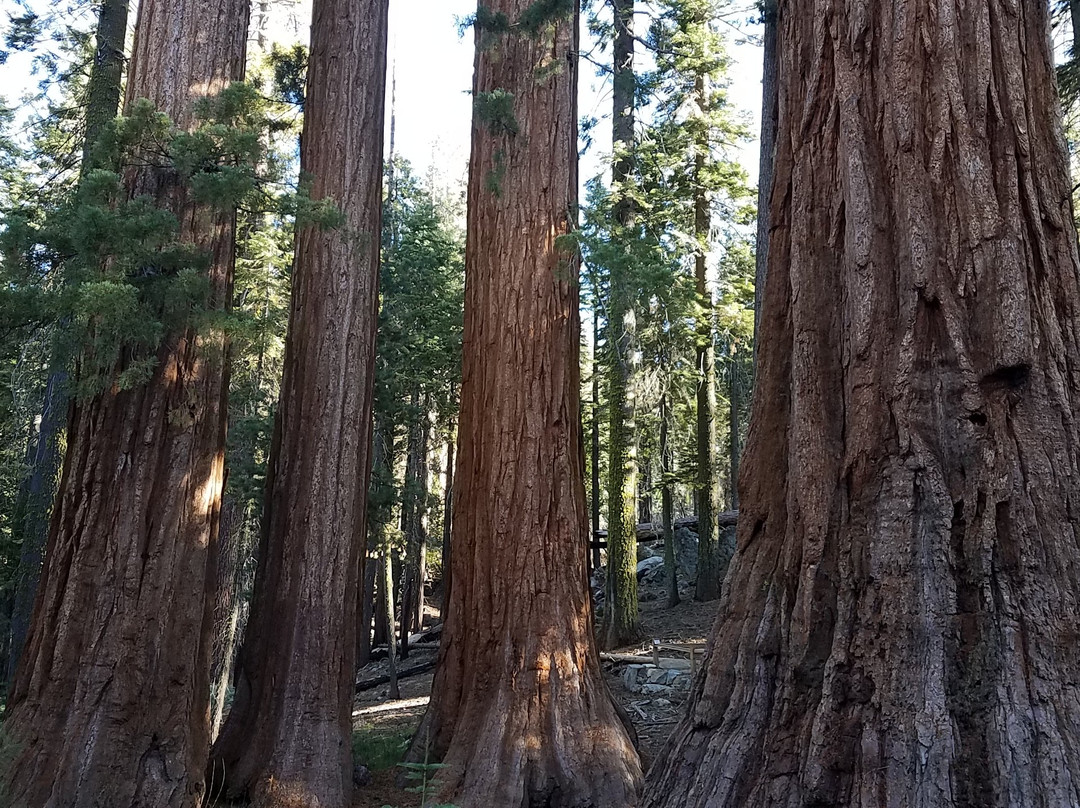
(434, 75)
(433, 67)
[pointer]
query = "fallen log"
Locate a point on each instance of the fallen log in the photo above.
(415, 670)
(667, 663)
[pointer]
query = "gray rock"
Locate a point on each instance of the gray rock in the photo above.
(686, 549)
(645, 551)
(682, 682)
(361, 776)
(648, 565)
(658, 676)
(634, 675)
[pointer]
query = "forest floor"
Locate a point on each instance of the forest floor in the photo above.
(383, 727)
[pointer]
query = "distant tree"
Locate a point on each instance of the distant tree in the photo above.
(518, 660)
(898, 624)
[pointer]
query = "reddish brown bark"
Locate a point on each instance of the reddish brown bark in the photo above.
(520, 714)
(286, 741)
(899, 626)
(110, 702)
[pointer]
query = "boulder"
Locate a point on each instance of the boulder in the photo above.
(647, 565)
(645, 551)
(686, 549)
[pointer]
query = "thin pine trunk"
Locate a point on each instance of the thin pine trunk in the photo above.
(386, 590)
(594, 500)
(667, 460)
(620, 624)
(448, 515)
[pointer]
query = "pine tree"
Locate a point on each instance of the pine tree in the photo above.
(620, 624)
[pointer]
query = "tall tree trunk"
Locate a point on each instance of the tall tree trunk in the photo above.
(594, 500)
(734, 405)
(414, 521)
(645, 483)
(120, 633)
(620, 624)
(102, 100)
(382, 629)
(899, 625)
(1074, 17)
(39, 490)
(769, 112)
(380, 512)
(386, 606)
(710, 566)
(448, 521)
(226, 610)
(667, 470)
(365, 608)
(519, 674)
(106, 73)
(286, 741)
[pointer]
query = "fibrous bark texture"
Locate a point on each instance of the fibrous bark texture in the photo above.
(102, 100)
(286, 741)
(767, 156)
(520, 713)
(110, 702)
(899, 625)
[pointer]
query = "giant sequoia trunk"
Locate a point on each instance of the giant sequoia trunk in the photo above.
(286, 741)
(899, 627)
(519, 675)
(226, 609)
(110, 702)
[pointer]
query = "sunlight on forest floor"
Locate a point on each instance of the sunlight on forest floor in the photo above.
(382, 728)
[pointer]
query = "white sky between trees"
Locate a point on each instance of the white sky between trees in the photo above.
(433, 65)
